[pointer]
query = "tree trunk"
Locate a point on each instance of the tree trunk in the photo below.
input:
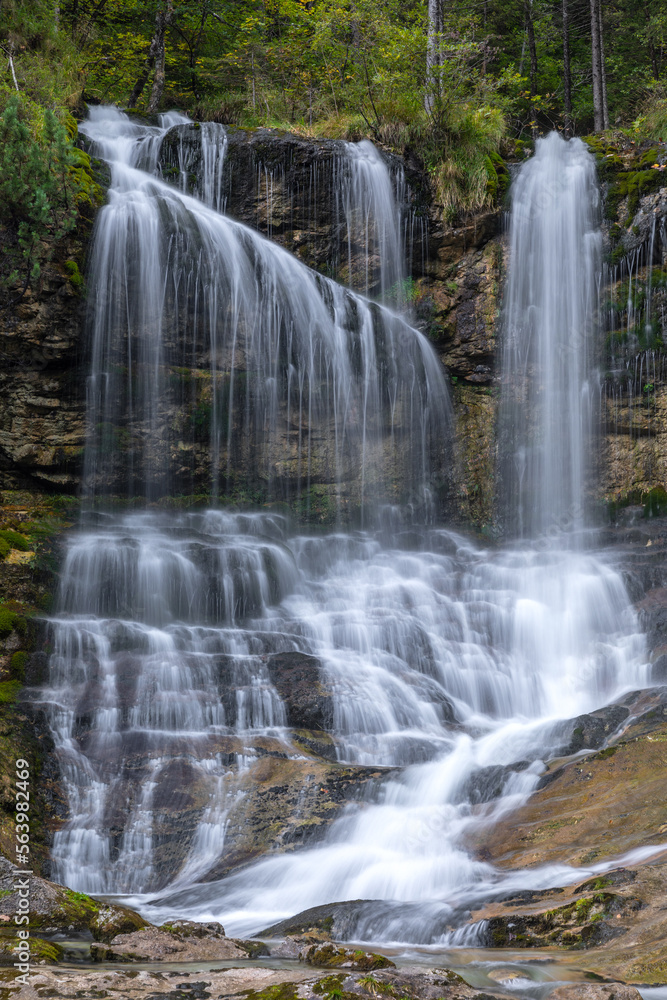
(567, 76)
(158, 79)
(155, 56)
(433, 53)
(530, 31)
(598, 117)
(603, 72)
(651, 47)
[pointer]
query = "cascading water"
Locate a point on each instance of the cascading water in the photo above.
(289, 375)
(370, 207)
(454, 664)
(554, 267)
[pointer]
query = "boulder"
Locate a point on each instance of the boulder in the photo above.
(590, 732)
(54, 909)
(595, 991)
(179, 941)
(330, 957)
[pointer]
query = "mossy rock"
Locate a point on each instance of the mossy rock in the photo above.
(498, 177)
(11, 621)
(329, 956)
(14, 540)
(280, 991)
(9, 691)
(57, 910)
(17, 665)
(45, 952)
(74, 275)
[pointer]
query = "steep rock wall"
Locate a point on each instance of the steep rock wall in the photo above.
(287, 187)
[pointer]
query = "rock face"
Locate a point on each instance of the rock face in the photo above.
(42, 386)
(290, 189)
(633, 391)
(299, 680)
(586, 812)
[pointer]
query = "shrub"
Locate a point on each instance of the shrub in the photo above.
(43, 181)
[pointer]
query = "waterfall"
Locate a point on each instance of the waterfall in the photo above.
(371, 208)
(214, 351)
(451, 667)
(554, 267)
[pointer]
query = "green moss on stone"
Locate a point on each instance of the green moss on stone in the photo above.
(45, 952)
(9, 691)
(15, 540)
(74, 275)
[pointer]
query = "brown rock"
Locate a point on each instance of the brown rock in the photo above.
(595, 991)
(182, 941)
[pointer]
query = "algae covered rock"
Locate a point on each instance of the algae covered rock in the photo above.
(330, 957)
(56, 910)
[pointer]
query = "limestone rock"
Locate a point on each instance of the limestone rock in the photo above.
(595, 991)
(181, 941)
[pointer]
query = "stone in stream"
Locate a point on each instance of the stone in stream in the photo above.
(178, 941)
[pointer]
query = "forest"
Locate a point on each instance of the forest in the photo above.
(454, 81)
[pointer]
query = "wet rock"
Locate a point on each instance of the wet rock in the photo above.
(301, 683)
(586, 922)
(596, 807)
(487, 783)
(659, 669)
(615, 877)
(331, 957)
(589, 732)
(326, 922)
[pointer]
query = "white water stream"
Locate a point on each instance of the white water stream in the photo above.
(455, 663)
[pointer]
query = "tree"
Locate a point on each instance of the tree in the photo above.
(600, 112)
(155, 57)
(567, 75)
(433, 53)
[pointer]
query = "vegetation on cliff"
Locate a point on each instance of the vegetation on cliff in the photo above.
(451, 85)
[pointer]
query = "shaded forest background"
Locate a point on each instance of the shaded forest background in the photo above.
(458, 83)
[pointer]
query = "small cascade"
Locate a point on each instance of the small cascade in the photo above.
(371, 202)
(634, 318)
(202, 166)
(550, 300)
(214, 351)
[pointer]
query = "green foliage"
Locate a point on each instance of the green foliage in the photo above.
(15, 540)
(328, 68)
(9, 691)
(10, 621)
(74, 275)
(44, 180)
(17, 665)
